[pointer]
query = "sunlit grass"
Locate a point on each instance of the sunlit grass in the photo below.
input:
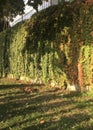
(44, 110)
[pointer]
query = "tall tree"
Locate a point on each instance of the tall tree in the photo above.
(9, 9)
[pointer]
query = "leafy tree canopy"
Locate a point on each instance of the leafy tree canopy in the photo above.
(10, 8)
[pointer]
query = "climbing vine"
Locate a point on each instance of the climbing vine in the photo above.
(55, 44)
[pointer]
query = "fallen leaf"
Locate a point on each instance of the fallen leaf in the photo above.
(42, 121)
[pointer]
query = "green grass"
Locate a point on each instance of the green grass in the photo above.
(43, 110)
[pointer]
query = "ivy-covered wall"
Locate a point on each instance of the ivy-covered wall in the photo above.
(55, 44)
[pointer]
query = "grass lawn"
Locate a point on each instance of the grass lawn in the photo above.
(44, 109)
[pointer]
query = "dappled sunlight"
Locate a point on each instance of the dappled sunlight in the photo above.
(46, 74)
(43, 110)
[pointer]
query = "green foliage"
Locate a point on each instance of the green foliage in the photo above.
(10, 9)
(51, 45)
(2, 41)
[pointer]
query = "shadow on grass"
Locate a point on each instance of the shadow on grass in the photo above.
(11, 86)
(65, 123)
(18, 103)
(73, 94)
(25, 104)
